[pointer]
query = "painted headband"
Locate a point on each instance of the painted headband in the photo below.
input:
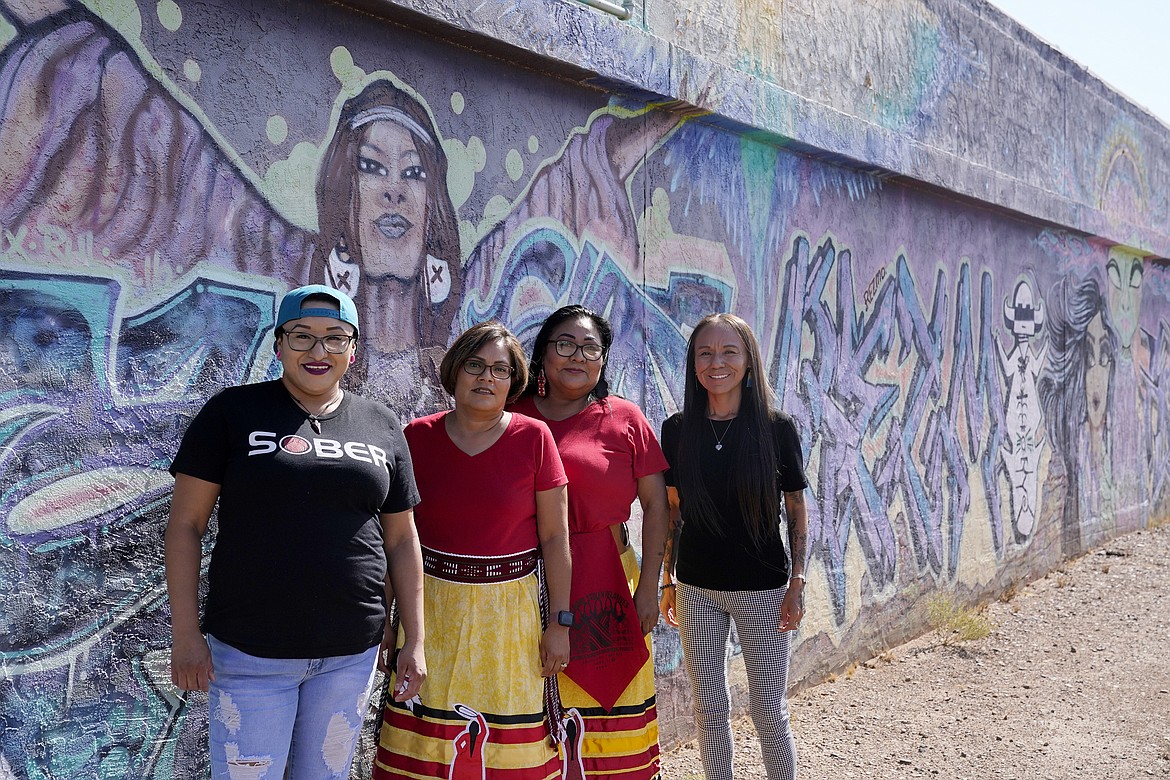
(389, 114)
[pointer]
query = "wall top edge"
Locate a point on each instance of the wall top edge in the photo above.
(572, 41)
(1052, 54)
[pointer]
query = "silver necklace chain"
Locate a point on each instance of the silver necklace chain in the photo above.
(719, 439)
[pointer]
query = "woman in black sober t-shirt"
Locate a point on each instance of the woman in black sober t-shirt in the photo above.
(316, 495)
(735, 466)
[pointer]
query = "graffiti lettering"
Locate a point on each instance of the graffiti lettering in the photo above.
(64, 247)
(878, 438)
(12, 250)
(872, 290)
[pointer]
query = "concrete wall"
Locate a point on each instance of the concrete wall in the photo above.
(981, 385)
(951, 93)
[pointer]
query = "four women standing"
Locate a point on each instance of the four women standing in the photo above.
(502, 604)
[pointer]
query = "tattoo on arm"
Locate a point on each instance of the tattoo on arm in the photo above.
(797, 528)
(671, 542)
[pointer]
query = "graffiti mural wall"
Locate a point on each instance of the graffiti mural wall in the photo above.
(978, 396)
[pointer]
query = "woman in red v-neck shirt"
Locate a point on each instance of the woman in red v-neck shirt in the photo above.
(492, 524)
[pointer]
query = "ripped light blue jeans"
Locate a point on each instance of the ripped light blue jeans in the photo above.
(269, 712)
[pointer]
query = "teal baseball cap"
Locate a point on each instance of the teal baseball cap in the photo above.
(290, 306)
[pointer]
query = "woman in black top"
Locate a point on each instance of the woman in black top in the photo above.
(315, 493)
(734, 462)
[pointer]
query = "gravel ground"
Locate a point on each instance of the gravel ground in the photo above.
(1072, 682)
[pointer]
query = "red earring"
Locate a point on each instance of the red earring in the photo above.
(541, 384)
(278, 354)
(352, 358)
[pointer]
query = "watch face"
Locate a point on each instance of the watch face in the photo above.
(565, 618)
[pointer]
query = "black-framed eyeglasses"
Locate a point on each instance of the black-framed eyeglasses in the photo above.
(566, 348)
(304, 342)
(476, 367)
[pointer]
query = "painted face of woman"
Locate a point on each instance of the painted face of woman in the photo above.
(1124, 292)
(1098, 361)
(391, 203)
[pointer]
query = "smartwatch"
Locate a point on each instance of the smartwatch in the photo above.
(565, 618)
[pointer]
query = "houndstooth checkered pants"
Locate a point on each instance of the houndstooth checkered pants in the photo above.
(704, 618)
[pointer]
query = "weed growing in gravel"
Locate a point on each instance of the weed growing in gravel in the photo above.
(954, 622)
(886, 656)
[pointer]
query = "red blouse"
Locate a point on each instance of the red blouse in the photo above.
(481, 504)
(606, 448)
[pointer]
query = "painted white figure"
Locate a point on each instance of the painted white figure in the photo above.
(1024, 316)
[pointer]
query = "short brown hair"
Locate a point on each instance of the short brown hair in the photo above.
(470, 342)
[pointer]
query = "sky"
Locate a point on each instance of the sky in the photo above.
(1122, 42)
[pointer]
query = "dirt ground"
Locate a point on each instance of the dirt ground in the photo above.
(1072, 682)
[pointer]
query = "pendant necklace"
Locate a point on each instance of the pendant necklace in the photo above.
(315, 419)
(718, 438)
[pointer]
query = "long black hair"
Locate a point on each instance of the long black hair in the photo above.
(337, 194)
(756, 465)
(554, 320)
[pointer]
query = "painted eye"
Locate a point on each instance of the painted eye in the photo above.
(415, 172)
(366, 165)
(1114, 273)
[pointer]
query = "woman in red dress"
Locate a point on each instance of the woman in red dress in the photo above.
(492, 524)
(611, 456)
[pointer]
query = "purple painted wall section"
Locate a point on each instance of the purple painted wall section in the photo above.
(948, 92)
(979, 395)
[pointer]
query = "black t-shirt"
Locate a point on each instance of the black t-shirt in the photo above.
(298, 566)
(731, 561)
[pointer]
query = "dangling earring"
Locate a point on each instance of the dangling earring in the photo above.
(437, 278)
(352, 358)
(747, 382)
(541, 384)
(278, 354)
